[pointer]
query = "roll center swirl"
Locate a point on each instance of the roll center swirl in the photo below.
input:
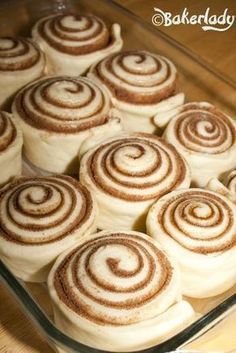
(137, 77)
(43, 210)
(136, 168)
(110, 273)
(202, 128)
(63, 104)
(17, 53)
(74, 34)
(200, 221)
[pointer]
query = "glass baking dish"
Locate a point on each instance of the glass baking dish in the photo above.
(199, 82)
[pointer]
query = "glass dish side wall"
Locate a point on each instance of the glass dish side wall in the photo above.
(196, 80)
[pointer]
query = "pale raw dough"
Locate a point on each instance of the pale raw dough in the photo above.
(117, 305)
(11, 141)
(206, 138)
(142, 86)
(127, 173)
(74, 52)
(21, 62)
(57, 115)
(40, 218)
(197, 227)
(226, 186)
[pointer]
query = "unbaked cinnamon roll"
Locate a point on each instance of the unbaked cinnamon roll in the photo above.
(57, 114)
(73, 42)
(128, 173)
(141, 85)
(11, 142)
(119, 292)
(206, 137)
(21, 61)
(225, 186)
(198, 228)
(40, 218)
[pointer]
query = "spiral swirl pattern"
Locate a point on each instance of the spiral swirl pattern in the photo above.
(74, 34)
(42, 210)
(134, 167)
(200, 127)
(111, 278)
(137, 77)
(198, 220)
(8, 131)
(18, 53)
(63, 104)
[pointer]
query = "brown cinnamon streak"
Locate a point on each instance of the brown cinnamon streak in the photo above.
(73, 296)
(13, 192)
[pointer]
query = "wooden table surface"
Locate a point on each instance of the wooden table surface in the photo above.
(17, 334)
(217, 48)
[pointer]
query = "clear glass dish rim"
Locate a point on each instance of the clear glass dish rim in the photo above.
(56, 336)
(188, 52)
(33, 309)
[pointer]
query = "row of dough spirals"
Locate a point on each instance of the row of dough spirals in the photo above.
(118, 289)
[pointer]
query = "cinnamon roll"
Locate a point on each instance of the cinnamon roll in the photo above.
(206, 137)
(57, 114)
(73, 42)
(127, 173)
(11, 142)
(141, 85)
(225, 186)
(40, 218)
(21, 61)
(117, 292)
(198, 228)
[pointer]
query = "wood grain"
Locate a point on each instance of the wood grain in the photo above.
(17, 334)
(217, 48)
